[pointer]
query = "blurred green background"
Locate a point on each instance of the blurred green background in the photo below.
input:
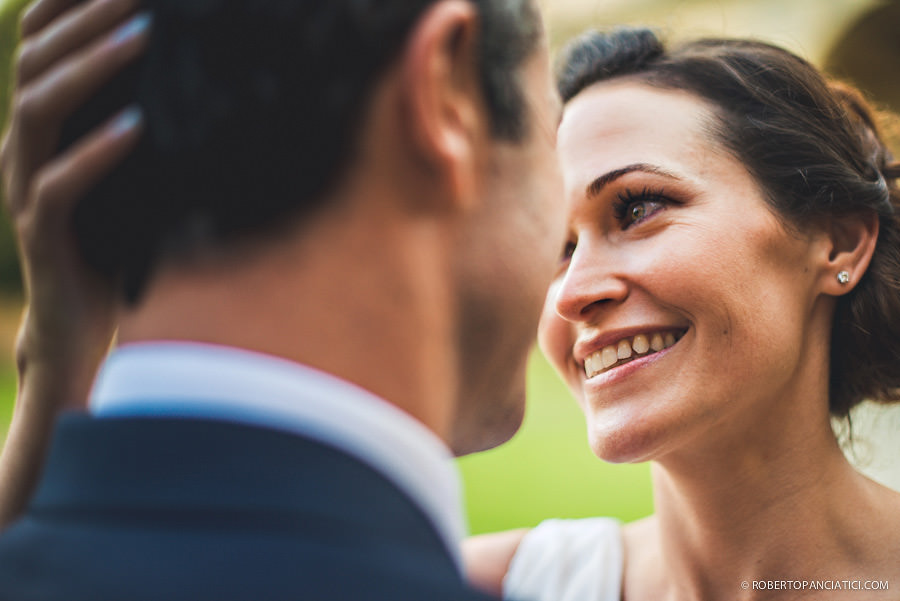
(547, 470)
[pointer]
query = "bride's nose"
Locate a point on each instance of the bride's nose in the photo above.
(590, 283)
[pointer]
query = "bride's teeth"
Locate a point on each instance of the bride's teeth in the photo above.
(641, 344)
(609, 356)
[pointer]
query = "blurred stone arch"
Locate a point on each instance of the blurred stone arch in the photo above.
(867, 54)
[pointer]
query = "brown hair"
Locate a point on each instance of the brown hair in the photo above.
(814, 148)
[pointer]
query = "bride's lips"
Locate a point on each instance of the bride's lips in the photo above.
(613, 351)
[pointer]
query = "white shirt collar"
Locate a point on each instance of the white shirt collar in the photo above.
(199, 380)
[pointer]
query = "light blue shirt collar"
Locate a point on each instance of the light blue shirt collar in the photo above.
(181, 379)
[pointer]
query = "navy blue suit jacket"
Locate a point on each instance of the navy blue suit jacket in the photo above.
(172, 509)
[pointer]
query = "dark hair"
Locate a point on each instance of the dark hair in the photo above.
(252, 111)
(813, 147)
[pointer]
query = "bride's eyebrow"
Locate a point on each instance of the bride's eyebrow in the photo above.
(596, 186)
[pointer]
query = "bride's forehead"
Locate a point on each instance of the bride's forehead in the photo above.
(626, 105)
(615, 124)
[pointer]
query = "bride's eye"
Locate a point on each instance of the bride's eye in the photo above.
(631, 208)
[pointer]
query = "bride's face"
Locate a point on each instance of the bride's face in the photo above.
(683, 309)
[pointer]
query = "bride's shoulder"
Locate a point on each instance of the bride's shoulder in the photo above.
(636, 534)
(487, 558)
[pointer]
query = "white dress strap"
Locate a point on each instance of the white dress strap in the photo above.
(568, 560)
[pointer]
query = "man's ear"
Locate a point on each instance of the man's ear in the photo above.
(446, 118)
(850, 243)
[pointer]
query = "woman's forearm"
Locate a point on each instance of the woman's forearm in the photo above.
(48, 384)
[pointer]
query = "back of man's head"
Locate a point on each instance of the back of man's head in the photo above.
(253, 109)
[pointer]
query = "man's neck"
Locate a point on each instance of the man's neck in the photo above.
(367, 304)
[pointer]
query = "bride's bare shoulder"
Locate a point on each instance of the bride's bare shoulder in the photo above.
(637, 535)
(487, 558)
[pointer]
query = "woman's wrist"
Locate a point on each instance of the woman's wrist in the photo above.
(56, 372)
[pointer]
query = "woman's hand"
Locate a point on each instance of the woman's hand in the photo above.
(69, 49)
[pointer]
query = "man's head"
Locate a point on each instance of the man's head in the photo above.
(254, 110)
(424, 127)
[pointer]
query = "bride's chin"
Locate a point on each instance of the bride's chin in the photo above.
(625, 444)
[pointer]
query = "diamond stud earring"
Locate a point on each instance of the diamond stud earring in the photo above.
(843, 277)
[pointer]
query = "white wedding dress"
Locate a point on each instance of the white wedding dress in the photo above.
(568, 560)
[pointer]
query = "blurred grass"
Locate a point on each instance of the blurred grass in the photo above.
(10, 312)
(7, 395)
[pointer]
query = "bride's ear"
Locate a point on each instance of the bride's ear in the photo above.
(849, 244)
